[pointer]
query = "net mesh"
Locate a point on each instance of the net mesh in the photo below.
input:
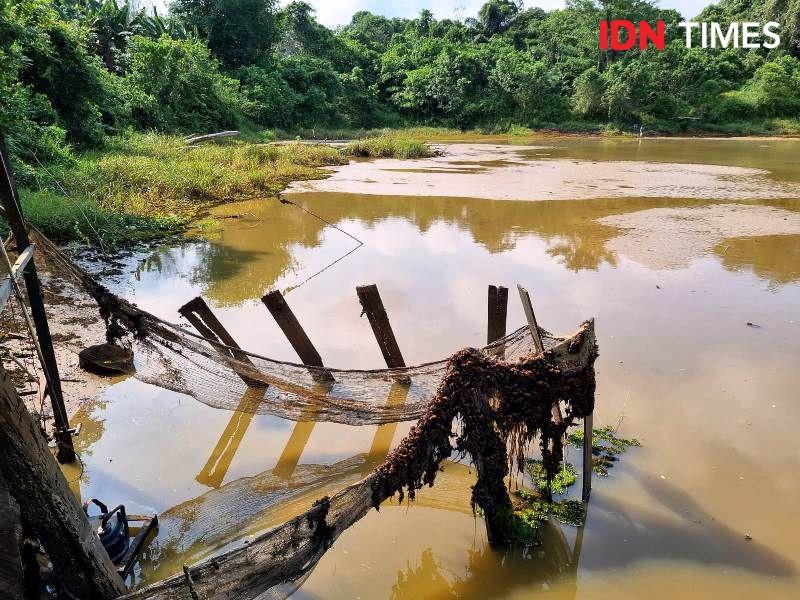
(175, 358)
(502, 397)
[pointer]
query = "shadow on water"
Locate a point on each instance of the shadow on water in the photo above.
(691, 533)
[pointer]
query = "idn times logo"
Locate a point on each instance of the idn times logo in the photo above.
(622, 35)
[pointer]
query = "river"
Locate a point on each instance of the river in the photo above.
(686, 252)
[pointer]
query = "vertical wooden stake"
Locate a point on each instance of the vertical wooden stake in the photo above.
(588, 427)
(498, 311)
(16, 220)
(294, 332)
(34, 479)
(372, 306)
(527, 306)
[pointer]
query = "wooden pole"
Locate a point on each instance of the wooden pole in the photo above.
(16, 220)
(294, 332)
(527, 306)
(200, 315)
(372, 306)
(498, 311)
(588, 429)
(34, 479)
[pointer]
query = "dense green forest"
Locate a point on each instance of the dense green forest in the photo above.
(76, 74)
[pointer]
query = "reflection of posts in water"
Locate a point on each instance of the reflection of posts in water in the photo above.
(219, 462)
(199, 314)
(494, 572)
(372, 306)
(301, 343)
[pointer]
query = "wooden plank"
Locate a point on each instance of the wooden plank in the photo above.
(200, 315)
(13, 214)
(34, 479)
(497, 317)
(372, 306)
(588, 427)
(527, 306)
(498, 311)
(6, 286)
(197, 139)
(294, 332)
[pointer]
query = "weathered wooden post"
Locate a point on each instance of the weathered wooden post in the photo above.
(587, 422)
(200, 315)
(34, 480)
(13, 214)
(301, 343)
(294, 332)
(372, 306)
(498, 312)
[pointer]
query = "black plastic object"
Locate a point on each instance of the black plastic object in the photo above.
(113, 530)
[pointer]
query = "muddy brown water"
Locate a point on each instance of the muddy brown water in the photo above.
(673, 278)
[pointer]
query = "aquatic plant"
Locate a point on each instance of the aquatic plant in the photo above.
(606, 447)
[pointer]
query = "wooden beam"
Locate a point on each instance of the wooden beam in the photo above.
(34, 479)
(16, 221)
(294, 332)
(527, 306)
(588, 428)
(372, 306)
(200, 315)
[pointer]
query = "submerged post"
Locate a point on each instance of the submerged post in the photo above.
(588, 428)
(200, 315)
(49, 507)
(16, 221)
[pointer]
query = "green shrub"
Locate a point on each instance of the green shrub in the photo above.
(177, 86)
(389, 146)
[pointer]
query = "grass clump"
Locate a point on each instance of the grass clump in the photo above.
(389, 146)
(149, 184)
(66, 220)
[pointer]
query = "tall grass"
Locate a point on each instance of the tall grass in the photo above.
(146, 184)
(389, 146)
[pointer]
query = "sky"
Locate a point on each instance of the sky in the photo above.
(338, 12)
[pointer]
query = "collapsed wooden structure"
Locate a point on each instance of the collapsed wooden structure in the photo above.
(31, 478)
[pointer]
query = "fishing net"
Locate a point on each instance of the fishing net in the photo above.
(175, 358)
(499, 408)
(488, 404)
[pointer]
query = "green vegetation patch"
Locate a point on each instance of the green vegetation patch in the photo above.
(389, 146)
(606, 447)
(531, 507)
(143, 185)
(566, 477)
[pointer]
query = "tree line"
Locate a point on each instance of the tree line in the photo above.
(73, 72)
